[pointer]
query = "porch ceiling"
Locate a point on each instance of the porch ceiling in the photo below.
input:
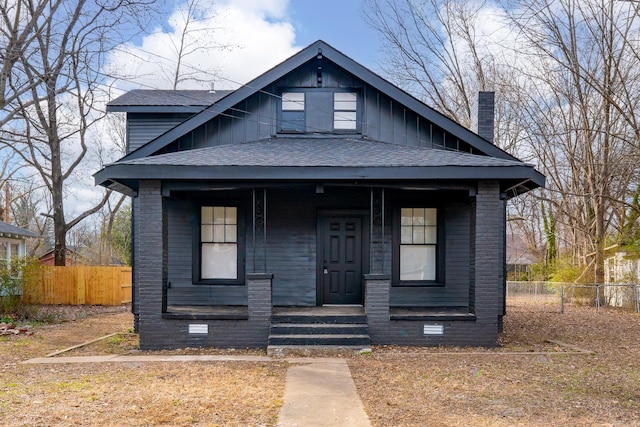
(319, 158)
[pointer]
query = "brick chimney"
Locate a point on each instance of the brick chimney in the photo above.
(483, 116)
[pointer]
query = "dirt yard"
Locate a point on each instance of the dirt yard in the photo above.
(527, 381)
(499, 387)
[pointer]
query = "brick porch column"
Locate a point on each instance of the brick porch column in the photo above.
(489, 258)
(150, 262)
(259, 304)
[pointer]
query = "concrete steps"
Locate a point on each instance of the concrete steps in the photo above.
(317, 333)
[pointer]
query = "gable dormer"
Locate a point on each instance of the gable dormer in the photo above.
(318, 91)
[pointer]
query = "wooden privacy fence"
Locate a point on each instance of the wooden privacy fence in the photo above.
(78, 285)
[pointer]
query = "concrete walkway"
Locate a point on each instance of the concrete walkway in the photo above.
(321, 393)
(318, 391)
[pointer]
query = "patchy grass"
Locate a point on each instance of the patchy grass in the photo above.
(398, 386)
(129, 394)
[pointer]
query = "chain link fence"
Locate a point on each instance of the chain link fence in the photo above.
(565, 295)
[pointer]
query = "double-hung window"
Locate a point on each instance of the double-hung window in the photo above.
(418, 245)
(218, 242)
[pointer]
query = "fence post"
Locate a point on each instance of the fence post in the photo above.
(597, 298)
(562, 299)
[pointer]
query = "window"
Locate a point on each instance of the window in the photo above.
(218, 242)
(293, 119)
(14, 250)
(344, 111)
(321, 110)
(4, 258)
(418, 252)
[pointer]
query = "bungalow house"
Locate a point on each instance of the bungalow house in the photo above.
(317, 204)
(12, 245)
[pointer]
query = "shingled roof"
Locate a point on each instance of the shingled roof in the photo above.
(143, 100)
(329, 159)
(315, 152)
(279, 71)
(8, 230)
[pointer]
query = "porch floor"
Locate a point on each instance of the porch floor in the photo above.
(238, 312)
(207, 312)
(431, 313)
(325, 310)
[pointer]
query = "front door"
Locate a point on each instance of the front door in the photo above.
(341, 263)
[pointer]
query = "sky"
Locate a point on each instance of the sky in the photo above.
(257, 35)
(261, 33)
(339, 23)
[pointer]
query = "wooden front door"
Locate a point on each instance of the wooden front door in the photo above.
(340, 269)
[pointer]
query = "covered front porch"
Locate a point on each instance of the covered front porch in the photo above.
(285, 267)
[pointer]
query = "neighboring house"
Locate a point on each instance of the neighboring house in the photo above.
(622, 273)
(12, 241)
(72, 258)
(520, 258)
(318, 184)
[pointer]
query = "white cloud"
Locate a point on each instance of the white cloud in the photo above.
(232, 42)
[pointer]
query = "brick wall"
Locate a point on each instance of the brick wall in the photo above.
(151, 274)
(486, 283)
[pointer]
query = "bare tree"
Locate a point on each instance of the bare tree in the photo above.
(584, 138)
(567, 78)
(50, 118)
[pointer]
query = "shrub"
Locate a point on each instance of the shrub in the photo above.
(12, 275)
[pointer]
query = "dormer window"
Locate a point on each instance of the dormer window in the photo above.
(322, 110)
(292, 112)
(345, 107)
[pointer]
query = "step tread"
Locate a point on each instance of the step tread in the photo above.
(320, 325)
(323, 350)
(320, 336)
(355, 319)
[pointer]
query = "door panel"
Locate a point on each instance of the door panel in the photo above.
(342, 260)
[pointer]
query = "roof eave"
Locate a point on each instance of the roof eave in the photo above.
(155, 108)
(126, 176)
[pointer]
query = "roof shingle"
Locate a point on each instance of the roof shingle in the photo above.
(164, 98)
(320, 152)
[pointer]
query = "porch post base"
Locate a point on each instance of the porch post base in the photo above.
(259, 302)
(376, 304)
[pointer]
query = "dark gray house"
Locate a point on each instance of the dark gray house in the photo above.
(317, 204)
